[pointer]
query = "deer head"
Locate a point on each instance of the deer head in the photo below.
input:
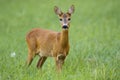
(64, 17)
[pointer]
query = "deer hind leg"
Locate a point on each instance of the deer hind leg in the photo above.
(31, 50)
(60, 61)
(31, 55)
(41, 61)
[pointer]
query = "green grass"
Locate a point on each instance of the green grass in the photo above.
(94, 39)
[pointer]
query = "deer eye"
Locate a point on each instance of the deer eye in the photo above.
(60, 19)
(69, 19)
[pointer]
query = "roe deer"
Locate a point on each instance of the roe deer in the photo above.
(47, 43)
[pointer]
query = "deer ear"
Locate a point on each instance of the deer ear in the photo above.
(57, 10)
(71, 10)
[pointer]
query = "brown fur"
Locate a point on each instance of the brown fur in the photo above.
(48, 43)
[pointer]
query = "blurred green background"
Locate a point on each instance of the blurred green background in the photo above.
(94, 39)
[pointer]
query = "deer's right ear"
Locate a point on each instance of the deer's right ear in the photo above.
(57, 10)
(71, 10)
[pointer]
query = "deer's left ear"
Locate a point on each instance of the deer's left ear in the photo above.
(57, 10)
(71, 10)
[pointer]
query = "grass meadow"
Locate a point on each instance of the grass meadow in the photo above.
(94, 38)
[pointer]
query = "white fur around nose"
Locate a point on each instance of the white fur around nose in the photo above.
(65, 24)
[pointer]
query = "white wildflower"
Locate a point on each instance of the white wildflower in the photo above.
(13, 54)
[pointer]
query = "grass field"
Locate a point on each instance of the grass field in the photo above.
(94, 39)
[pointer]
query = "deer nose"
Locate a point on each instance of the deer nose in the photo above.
(65, 27)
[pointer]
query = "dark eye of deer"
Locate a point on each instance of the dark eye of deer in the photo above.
(69, 19)
(60, 19)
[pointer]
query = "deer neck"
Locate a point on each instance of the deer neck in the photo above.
(64, 38)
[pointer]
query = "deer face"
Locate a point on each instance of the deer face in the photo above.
(64, 17)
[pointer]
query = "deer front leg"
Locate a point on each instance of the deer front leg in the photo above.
(60, 61)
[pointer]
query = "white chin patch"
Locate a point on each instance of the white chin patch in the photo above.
(65, 28)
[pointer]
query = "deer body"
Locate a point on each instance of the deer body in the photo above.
(46, 43)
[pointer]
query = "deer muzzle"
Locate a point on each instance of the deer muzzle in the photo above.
(65, 27)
